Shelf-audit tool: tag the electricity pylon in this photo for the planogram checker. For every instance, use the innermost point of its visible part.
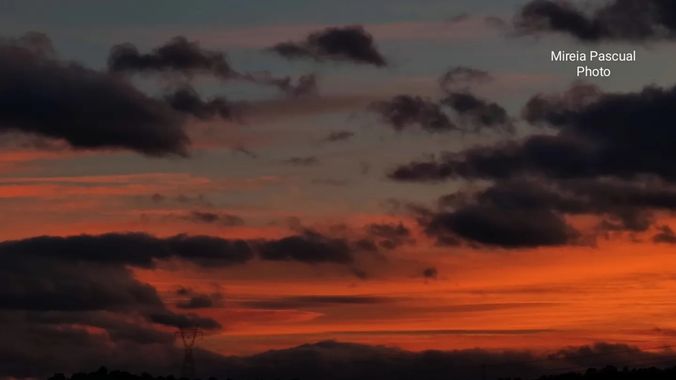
(189, 338)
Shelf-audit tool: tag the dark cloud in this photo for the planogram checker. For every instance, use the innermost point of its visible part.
(177, 56)
(136, 249)
(606, 129)
(526, 208)
(461, 77)
(559, 109)
(191, 299)
(351, 43)
(423, 171)
(210, 251)
(304, 85)
(510, 215)
(366, 245)
(143, 250)
(624, 202)
(474, 113)
(547, 15)
(507, 228)
(389, 236)
(430, 273)
(478, 113)
(390, 231)
(215, 218)
(64, 286)
(665, 235)
(309, 247)
(550, 156)
(83, 275)
(43, 96)
(406, 111)
(632, 20)
(194, 300)
(186, 100)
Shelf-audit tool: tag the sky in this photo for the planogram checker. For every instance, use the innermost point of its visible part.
(334, 177)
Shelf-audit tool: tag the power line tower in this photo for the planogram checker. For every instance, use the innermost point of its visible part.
(189, 338)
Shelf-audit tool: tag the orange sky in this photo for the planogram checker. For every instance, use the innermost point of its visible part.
(618, 291)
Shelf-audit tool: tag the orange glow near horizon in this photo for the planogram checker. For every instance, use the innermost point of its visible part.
(536, 299)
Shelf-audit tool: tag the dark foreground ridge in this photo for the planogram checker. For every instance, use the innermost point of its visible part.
(612, 373)
(607, 373)
(103, 374)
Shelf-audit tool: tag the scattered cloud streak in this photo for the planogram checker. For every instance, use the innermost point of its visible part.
(177, 56)
(629, 20)
(478, 113)
(406, 111)
(351, 43)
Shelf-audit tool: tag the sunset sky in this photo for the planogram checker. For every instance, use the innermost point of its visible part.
(414, 174)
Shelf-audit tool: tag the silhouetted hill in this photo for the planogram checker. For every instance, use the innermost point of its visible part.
(608, 373)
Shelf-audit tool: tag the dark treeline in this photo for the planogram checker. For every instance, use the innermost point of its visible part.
(612, 373)
(104, 374)
(608, 373)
